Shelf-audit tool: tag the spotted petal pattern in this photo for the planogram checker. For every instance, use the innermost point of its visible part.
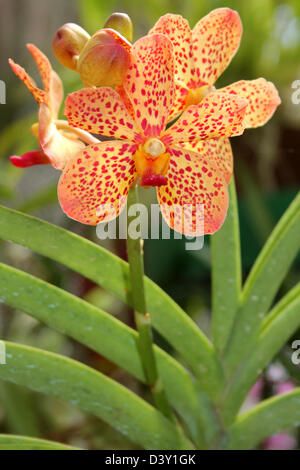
(101, 175)
(179, 102)
(149, 83)
(193, 180)
(262, 96)
(216, 151)
(52, 94)
(216, 38)
(177, 29)
(39, 95)
(100, 111)
(218, 115)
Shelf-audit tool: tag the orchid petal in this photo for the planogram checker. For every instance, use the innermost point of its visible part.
(101, 175)
(39, 95)
(52, 94)
(216, 151)
(218, 115)
(179, 103)
(262, 96)
(149, 83)
(101, 111)
(216, 38)
(193, 180)
(177, 29)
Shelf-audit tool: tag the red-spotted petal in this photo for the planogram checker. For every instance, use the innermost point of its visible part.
(52, 94)
(101, 111)
(216, 151)
(195, 200)
(177, 29)
(39, 95)
(43, 65)
(179, 103)
(149, 83)
(218, 115)
(59, 146)
(51, 82)
(216, 38)
(262, 96)
(94, 186)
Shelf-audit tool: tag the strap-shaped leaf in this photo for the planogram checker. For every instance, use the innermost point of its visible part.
(226, 273)
(263, 282)
(269, 417)
(108, 336)
(277, 328)
(12, 442)
(93, 392)
(109, 271)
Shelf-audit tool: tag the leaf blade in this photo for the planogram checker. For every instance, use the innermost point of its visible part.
(277, 414)
(109, 337)
(112, 273)
(14, 442)
(93, 392)
(263, 282)
(277, 328)
(226, 274)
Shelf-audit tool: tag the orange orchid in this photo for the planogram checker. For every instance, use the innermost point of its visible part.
(145, 150)
(58, 141)
(201, 56)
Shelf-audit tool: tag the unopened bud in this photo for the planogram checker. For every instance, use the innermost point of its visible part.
(121, 23)
(105, 59)
(67, 44)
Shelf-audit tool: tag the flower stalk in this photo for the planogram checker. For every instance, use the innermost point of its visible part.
(142, 317)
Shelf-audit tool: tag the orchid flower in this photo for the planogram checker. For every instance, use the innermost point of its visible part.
(144, 149)
(201, 56)
(57, 140)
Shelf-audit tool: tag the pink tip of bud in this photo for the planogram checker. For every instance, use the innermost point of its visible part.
(29, 159)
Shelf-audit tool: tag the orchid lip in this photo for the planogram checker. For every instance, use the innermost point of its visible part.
(150, 179)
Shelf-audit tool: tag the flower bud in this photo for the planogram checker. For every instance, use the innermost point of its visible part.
(121, 23)
(105, 59)
(67, 44)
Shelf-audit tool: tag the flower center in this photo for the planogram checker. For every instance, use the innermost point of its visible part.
(196, 95)
(152, 163)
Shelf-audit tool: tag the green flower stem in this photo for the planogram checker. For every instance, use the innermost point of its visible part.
(142, 317)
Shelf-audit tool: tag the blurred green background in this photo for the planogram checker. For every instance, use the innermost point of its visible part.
(267, 169)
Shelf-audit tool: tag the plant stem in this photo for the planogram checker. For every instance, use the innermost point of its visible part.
(142, 317)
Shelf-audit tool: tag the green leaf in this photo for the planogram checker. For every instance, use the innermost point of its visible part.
(271, 416)
(262, 284)
(226, 274)
(108, 336)
(94, 393)
(109, 271)
(12, 442)
(277, 328)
